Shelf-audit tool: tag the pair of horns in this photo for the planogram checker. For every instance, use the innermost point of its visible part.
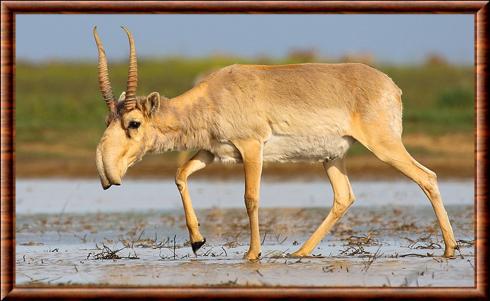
(104, 82)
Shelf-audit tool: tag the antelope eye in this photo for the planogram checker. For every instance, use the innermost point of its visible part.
(134, 124)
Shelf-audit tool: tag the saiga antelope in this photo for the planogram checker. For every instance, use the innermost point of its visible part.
(254, 114)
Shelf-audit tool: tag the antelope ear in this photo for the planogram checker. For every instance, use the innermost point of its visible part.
(122, 97)
(151, 103)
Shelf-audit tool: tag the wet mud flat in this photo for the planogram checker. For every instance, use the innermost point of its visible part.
(370, 246)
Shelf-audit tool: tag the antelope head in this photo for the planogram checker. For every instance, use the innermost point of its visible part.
(129, 131)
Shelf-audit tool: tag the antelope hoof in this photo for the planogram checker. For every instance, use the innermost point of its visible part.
(197, 245)
(449, 253)
(250, 256)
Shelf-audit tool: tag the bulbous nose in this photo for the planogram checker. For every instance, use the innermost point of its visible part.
(107, 185)
(114, 180)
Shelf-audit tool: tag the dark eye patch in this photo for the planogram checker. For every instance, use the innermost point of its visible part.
(134, 124)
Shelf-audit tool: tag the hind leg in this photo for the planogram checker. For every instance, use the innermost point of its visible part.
(393, 152)
(343, 198)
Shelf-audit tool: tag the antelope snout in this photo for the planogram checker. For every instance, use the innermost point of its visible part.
(115, 181)
(107, 185)
(113, 177)
(107, 173)
(107, 181)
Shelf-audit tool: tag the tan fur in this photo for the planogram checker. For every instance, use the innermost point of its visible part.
(253, 113)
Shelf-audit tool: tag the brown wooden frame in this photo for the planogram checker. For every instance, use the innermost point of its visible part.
(10, 8)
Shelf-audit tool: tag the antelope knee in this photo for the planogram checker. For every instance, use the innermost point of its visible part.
(180, 181)
(341, 204)
(251, 202)
(429, 184)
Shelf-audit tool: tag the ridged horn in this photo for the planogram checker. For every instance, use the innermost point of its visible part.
(104, 82)
(130, 102)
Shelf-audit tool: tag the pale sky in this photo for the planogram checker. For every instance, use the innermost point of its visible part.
(390, 38)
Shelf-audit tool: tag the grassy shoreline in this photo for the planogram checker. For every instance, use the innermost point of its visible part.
(59, 117)
(435, 153)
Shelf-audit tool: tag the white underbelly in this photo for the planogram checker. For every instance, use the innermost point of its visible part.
(291, 149)
(305, 148)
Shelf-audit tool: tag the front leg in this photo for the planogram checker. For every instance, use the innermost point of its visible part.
(199, 161)
(251, 151)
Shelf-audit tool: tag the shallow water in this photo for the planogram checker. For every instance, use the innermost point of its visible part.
(68, 232)
(78, 196)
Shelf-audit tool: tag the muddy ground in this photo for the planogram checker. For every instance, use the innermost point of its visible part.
(371, 246)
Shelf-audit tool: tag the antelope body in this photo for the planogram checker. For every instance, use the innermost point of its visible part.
(254, 113)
